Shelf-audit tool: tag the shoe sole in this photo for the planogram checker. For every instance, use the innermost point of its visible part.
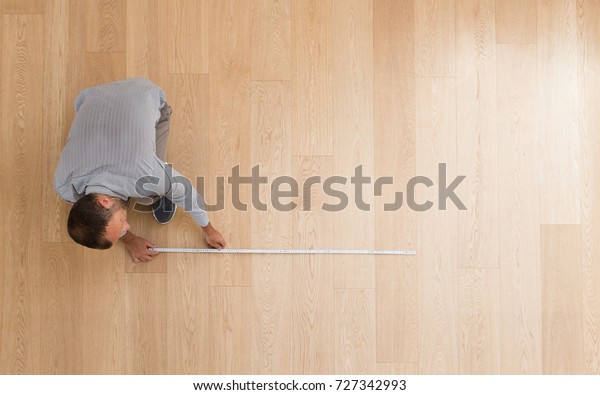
(170, 219)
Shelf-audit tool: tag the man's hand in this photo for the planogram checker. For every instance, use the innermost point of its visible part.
(138, 248)
(213, 237)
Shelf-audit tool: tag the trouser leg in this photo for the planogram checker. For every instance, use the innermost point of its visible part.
(162, 135)
(162, 131)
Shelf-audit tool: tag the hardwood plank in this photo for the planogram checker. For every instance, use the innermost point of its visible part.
(62, 309)
(479, 305)
(105, 25)
(312, 96)
(104, 311)
(187, 31)
(229, 140)
(271, 136)
(397, 309)
(312, 287)
(557, 112)
(520, 327)
(394, 118)
(562, 312)
(352, 40)
(22, 6)
(437, 247)
(354, 331)
(271, 274)
(230, 328)
(146, 314)
(145, 45)
(313, 330)
(103, 67)
(394, 142)
(434, 38)
(397, 368)
(514, 22)
(476, 126)
(64, 35)
(187, 307)
(21, 103)
(188, 274)
(271, 40)
(189, 99)
(272, 315)
(589, 84)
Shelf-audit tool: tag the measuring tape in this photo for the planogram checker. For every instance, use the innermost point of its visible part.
(268, 251)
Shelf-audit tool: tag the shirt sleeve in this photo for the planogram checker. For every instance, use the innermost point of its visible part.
(178, 189)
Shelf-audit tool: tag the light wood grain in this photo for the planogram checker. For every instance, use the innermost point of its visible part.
(187, 274)
(354, 331)
(230, 317)
(105, 25)
(271, 274)
(272, 315)
(188, 33)
(21, 104)
(312, 101)
(313, 330)
(188, 96)
(62, 309)
(229, 137)
(64, 40)
(434, 38)
(519, 223)
(438, 254)
(146, 323)
(397, 309)
(394, 118)
(103, 67)
(476, 122)
(394, 142)
(557, 112)
(271, 40)
(187, 303)
(22, 6)
(352, 39)
(562, 314)
(589, 83)
(145, 47)
(515, 21)
(479, 304)
(397, 368)
(503, 92)
(104, 300)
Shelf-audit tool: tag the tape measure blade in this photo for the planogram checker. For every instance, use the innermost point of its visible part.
(277, 251)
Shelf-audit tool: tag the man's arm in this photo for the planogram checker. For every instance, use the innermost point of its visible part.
(180, 191)
(213, 237)
(138, 247)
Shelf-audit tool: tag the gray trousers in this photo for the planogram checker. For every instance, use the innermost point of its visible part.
(162, 131)
(162, 136)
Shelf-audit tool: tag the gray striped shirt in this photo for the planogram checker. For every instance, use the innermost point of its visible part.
(111, 149)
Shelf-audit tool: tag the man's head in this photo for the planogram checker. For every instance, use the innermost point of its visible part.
(97, 221)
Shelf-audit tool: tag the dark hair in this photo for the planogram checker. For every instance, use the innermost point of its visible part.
(87, 223)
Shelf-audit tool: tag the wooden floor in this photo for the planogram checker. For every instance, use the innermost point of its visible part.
(504, 92)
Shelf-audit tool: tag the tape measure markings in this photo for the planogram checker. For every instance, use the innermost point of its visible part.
(280, 251)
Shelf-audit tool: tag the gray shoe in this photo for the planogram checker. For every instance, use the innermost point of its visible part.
(163, 210)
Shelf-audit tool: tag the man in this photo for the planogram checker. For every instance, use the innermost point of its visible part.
(116, 150)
